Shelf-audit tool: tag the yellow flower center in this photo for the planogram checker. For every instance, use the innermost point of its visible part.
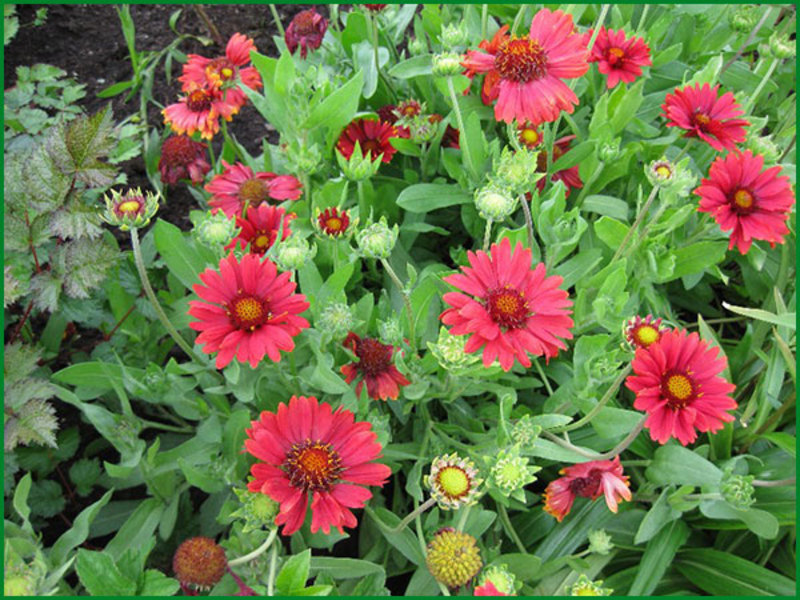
(664, 171)
(679, 386)
(529, 136)
(334, 224)
(249, 309)
(453, 481)
(312, 465)
(262, 241)
(646, 335)
(702, 118)
(129, 206)
(618, 52)
(743, 199)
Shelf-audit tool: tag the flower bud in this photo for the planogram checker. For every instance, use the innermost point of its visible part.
(336, 319)
(417, 47)
(359, 166)
(511, 473)
(377, 240)
(453, 481)
(609, 151)
(215, 229)
(257, 510)
(517, 170)
(305, 159)
(334, 223)
(780, 46)
(764, 146)
(501, 578)
(525, 431)
(447, 64)
(452, 35)
(586, 587)
(131, 209)
(449, 351)
(641, 333)
(495, 203)
(737, 490)
(453, 557)
(744, 18)
(293, 253)
(670, 176)
(600, 542)
(390, 331)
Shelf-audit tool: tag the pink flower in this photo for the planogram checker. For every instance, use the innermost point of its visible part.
(487, 589)
(742, 197)
(698, 110)
(199, 110)
(307, 448)
(374, 366)
(589, 480)
(306, 30)
(260, 228)
(182, 158)
(238, 187)
(676, 381)
(247, 310)
(510, 309)
(525, 74)
(619, 58)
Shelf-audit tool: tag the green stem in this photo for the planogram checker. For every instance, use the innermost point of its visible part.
(277, 20)
(643, 17)
(273, 564)
(543, 376)
(646, 228)
(748, 41)
(406, 301)
(466, 155)
(518, 18)
(362, 204)
(151, 296)
(164, 427)
(788, 148)
(585, 190)
(594, 455)
(413, 515)
(487, 235)
(597, 24)
(597, 407)
(462, 517)
(501, 510)
(751, 101)
(639, 219)
(776, 483)
(528, 220)
(257, 552)
(484, 20)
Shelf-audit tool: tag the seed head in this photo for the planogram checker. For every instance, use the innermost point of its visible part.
(453, 557)
(199, 562)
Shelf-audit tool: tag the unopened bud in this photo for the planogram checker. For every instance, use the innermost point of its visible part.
(600, 542)
(359, 166)
(417, 47)
(293, 253)
(452, 36)
(738, 490)
(131, 209)
(215, 229)
(335, 319)
(495, 203)
(377, 240)
(447, 64)
(781, 46)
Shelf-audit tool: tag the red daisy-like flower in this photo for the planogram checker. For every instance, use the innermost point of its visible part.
(569, 176)
(372, 136)
(260, 228)
(387, 113)
(199, 110)
(223, 72)
(333, 222)
(238, 188)
(525, 74)
(487, 589)
(529, 135)
(510, 309)
(374, 366)
(641, 333)
(589, 480)
(306, 30)
(742, 197)
(247, 310)
(620, 58)
(182, 158)
(408, 109)
(308, 448)
(676, 381)
(698, 110)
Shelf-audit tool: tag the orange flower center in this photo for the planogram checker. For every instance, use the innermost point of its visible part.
(410, 108)
(679, 389)
(376, 358)
(248, 312)
(618, 52)
(312, 465)
(198, 101)
(507, 307)
(702, 119)
(333, 223)
(743, 199)
(254, 191)
(521, 60)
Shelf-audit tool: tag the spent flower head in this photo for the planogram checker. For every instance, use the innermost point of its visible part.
(511, 473)
(199, 562)
(453, 481)
(131, 209)
(495, 203)
(453, 557)
(586, 587)
(377, 240)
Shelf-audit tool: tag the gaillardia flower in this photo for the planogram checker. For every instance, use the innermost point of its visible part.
(182, 158)
(453, 481)
(589, 480)
(496, 580)
(525, 74)
(698, 110)
(620, 58)
(570, 175)
(487, 588)
(676, 381)
(131, 209)
(308, 448)
(510, 309)
(222, 73)
(306, 30)
(199, 110)
(333, 222)
(238, 188)
(453, 557)
(199, 562)
(372, 137)
(754, 203)
(641, 333)
(260, 228)
(586, 587)
(247, 310)
(374, 366)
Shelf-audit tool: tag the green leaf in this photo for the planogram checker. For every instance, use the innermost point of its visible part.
(724, 574)
(525, 567)
(114, 89)
(338, 109)
(294, 574)
(413, 67)
(573, 157)
(659, 515)
(343, 568)
(784, 441)
(100, 576)
(627, 107)
(610, 231)
(760, 522)
(657, 558)
(138, 529)
(158, 584)
(784, 320)
(608, 206)
(613, 422)
(679, 466)
(425, 197)
(405, 541)
(185, 258)
(97, 375)
(696, 258)
(79, 532)
(20, 501)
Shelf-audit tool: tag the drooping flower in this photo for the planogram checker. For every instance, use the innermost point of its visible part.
(698, 110)
(182, 158)
(308, 448)
(374, 366)
(641, 333)
(677, 382)
(372, 137)
(306, 30)
(453, 481)
(589, 480)
(620, 58)
(261, 227)
(570, 175)
(199, 562)
(754, 203)
(510, 309)
(222, 73)
(453, 557)
(333, 223)
(247, 310)
(238, 188)
(199, 110)
(525, 74)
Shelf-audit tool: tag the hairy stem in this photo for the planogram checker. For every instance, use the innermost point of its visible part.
(594, 455)
(406, 301)
(487, 235)
(276, 17)
(636, 223)
(257, 552)
(528, 221)
(501, 510)
(597, 407)
(465, 153)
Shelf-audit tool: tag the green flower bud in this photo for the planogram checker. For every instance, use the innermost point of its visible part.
(609, 151)
(495, 203)
(780, 46)
(447, 64)
(737, 490)
(501, 578)
(764, 146)
(449, 351)
(417, 47)
(525, 431)
(215, 230)
(131, 209)
(359, 166)
(586, 587)
(600, 542)
(390, 331)
(377, 240)
(453, 36)
(511, 473)
(517, 170)
(335, 319)
(670, 176)
(306, 159)
(744, 18)
(293, 253)
(258, 510)
(421, 129)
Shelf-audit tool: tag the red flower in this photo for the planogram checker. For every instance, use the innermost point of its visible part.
(223, 72)
(199, 110)
(409, 109)
(238, 187)
(569, 176)
(374, 366)
(247, 310)
(387, 113)
(487, 589)
(529, 135)
(699, 111)
(375, 7)
(755, 204)
(676, 381)
(332, 222)
(260, 228)
(641, 333)
(306, 30)
(511, 310)
(525, 74)
(372, 136)
(182, 158)
(619, 58)
(589, 480)
(307, 447)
